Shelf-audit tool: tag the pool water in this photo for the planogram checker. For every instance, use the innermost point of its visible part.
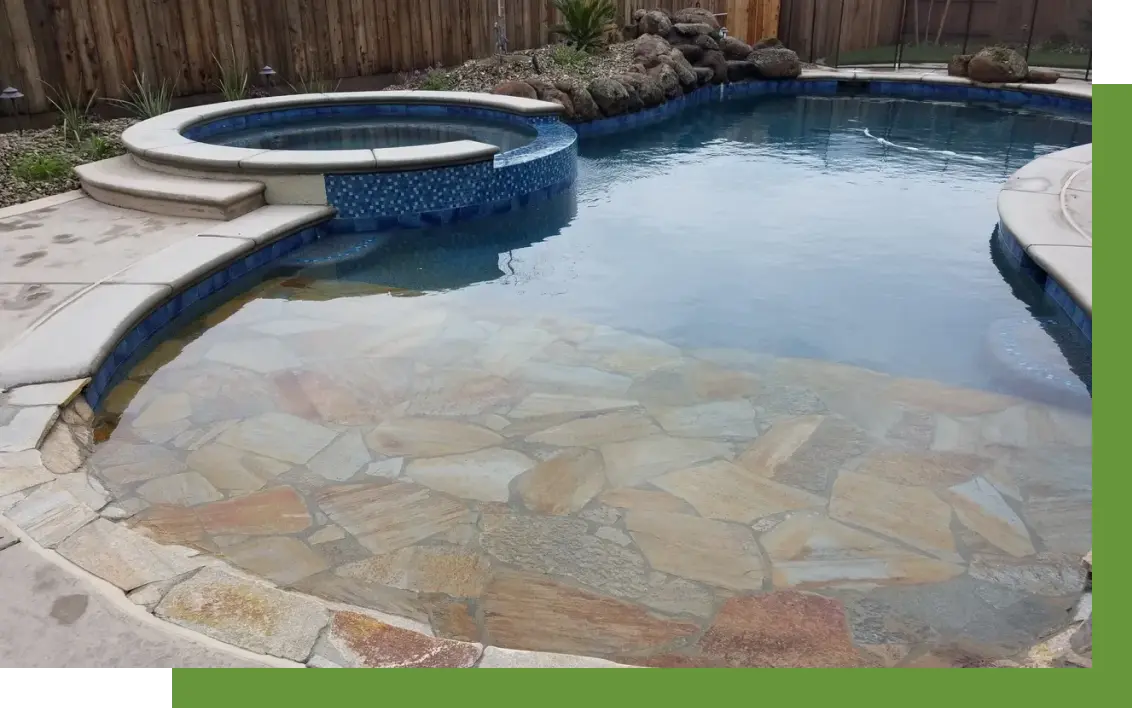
(376, 132)
(761, 349)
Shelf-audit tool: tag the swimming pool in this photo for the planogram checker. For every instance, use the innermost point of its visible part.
(752, 350)
(376, 132)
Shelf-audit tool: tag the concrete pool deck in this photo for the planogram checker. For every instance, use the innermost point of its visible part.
(56, 271)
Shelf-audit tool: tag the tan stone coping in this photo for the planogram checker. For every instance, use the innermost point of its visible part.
(161, 140)
(1047, 207)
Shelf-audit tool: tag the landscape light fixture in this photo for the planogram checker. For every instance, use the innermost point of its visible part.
(9, 96)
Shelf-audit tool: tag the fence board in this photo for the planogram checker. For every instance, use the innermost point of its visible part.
(82, 45)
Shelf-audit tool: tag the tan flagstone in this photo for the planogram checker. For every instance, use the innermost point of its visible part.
(262, 355)
(186, 489)
(573, 379)
(812, 550)
(484, 475)
(511, 347)
(924, 469)
(633, 462)
(49, 514)
(334, 402)
(914, 515)
(67, 447)
(722, 490)
(544, 404)
(563, 484)
(22, 470)
(983, 510)
(1063, 522)
(598, 430)
(940, 398)
(956, 435)
(460, 392)
(644, 500)
(280, 559)
(234, 470)
(326, 534)
(688, 547)
(387, 517)
(246, 613)
(453, 571)
(124, 558)
(423, 437)
(163, 410)
(280, 436)
(342, 459)
(778, 444)
(161, 434)
(718, 419)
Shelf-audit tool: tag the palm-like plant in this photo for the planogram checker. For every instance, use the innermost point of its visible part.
(585, 23)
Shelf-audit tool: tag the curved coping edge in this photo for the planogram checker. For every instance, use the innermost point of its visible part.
(162, 139)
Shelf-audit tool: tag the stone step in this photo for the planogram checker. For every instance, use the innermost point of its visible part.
(122, 182)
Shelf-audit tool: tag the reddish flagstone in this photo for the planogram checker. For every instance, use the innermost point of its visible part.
(370, 643)
(781, 629)
(172, 524)
(529, 611)
(455, 621)
(275, 511)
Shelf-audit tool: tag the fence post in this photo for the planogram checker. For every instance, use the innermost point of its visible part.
(813, 27)
(900, 36)
(967, 30)
(1030, 37)
(840, 25)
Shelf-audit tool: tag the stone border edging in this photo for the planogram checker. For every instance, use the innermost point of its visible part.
(163, 140)
(1039, 232)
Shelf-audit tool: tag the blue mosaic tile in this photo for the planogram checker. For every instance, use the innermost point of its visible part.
(1018, 256)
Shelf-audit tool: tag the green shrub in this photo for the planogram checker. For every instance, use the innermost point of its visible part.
(586, 23)
(438, 80)
(36, 166)
(74, 114)
(313, 84)
(146, 100)
(569, 57)
(232, 82)
(97, 148)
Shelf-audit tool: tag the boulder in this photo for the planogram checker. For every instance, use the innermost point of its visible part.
(704, 74)
(690, 51)
(706, 43)
(715, 61)
(519, 89)
(997, 65)
(654, 22)
(637, 69)
(633, 102)
(685, 74)
(776, 63)
(696, 15)
(649, 48)
(1042, 76)
(585, 109)
(767, 42)
(689, 30)
(666, 78)
(647, 87)
(639, 15)
(741, 70)
(610, 96)
(631, 31)
(957, 66)
(734, 49)
(540, 85)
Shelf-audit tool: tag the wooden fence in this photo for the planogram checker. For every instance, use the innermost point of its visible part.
(80, 47)
(825, 29)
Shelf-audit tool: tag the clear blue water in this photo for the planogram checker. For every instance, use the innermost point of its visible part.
(375, 132)
(848, 229)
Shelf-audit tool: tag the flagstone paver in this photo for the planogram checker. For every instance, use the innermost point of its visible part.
(638, 504)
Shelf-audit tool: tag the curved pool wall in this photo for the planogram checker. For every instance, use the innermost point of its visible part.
(373, 189)
(201, 295)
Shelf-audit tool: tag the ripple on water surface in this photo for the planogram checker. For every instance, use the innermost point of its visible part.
(613, 426)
